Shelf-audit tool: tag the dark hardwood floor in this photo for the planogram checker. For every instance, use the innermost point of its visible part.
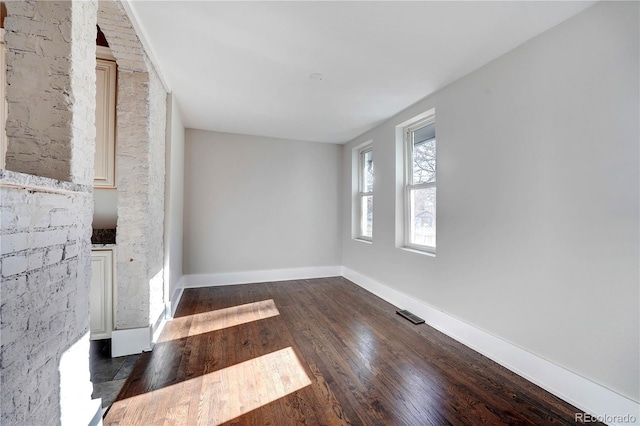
(318, 352)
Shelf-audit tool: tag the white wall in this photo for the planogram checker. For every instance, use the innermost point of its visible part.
(174, 199)
(255, 203)
(538, 193)
(105, 208)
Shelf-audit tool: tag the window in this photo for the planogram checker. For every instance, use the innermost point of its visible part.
(420, 185)
(365, 193)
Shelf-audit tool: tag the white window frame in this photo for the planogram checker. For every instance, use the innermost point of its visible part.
(362, 193)
(409, 185)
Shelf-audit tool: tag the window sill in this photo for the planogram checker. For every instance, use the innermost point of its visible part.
(362, 240)
(422, 252)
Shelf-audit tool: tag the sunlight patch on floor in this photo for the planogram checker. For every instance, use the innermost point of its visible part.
(226, 394)
(220, 319)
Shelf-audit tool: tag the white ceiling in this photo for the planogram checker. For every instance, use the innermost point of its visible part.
(243, 67)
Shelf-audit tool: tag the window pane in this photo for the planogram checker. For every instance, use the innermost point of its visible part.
(424, 133)
(366, 218)
(423, 217)
(424, 154)
(367, 165)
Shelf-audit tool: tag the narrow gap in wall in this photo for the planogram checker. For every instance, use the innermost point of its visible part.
(101, 40)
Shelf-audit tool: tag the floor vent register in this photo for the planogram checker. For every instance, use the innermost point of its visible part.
(411, 317)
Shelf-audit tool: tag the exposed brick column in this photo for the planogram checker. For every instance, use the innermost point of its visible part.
(49, 115)
(155, 194)
(132, 305)
(141, 123)
(45, 259)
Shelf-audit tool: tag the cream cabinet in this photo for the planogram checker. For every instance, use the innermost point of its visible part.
(101, 299)
(105, 156)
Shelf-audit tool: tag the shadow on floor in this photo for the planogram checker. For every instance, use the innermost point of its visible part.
(108, 374)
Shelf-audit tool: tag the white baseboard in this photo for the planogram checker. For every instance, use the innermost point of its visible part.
(270, 275)
(96, 420)
(175, 298)
(584, 394)
(131, 341)
(138, 340)
(157, 328)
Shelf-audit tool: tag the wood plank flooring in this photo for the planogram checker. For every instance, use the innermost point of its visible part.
(318, 352)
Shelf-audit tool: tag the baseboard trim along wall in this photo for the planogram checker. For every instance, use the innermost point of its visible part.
(586, 395)
(265, 276)
(137, 340)
(96, 420)
(131, 341)
(175, 299)
(576, 390)
(157, 329)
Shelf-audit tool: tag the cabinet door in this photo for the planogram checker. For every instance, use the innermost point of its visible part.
(105, 156)
(101, 321)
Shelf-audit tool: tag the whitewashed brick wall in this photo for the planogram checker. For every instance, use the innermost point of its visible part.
(83, 83)
(44, 130)
(45, 258)
(45, 249)
(140, 156)
(132, 163)
(155, 194)
(121, 35)
(44, 309)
